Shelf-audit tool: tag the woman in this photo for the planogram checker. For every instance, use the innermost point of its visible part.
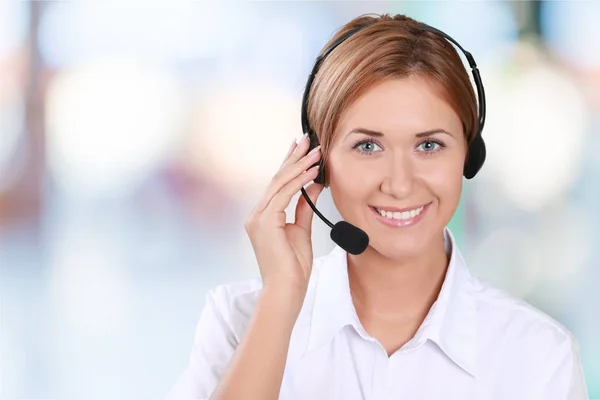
(396, 116)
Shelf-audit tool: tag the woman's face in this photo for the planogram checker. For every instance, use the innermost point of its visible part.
(399, 151)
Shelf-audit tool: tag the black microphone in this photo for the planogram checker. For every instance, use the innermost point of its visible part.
(350, 238)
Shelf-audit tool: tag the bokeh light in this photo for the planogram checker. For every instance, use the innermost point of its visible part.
(13, 31)
(577, 43)
(536, 131)
(13, 26)
(500, 256)
(243, 132)
(73, 33)
(564, 241)
(12, 117)
(492, 20)
(109, 123)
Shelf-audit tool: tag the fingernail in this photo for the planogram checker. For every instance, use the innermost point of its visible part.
(302, 138)
(315, 149)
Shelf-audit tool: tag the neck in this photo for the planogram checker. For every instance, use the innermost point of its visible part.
(397, 290)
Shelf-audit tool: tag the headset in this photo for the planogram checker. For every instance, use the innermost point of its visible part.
(349, 237)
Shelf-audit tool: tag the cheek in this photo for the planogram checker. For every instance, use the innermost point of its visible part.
(445, 181)
(349, 180)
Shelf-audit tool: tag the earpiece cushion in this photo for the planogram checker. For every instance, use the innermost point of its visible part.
(475, 157)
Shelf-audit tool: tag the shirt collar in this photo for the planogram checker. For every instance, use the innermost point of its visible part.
(451, 323)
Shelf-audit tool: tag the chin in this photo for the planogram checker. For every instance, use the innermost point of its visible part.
(400, 248)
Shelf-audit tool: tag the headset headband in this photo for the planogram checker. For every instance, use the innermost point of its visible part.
(475, 71)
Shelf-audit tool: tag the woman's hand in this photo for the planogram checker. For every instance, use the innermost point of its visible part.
(284, 255)
(283, 250)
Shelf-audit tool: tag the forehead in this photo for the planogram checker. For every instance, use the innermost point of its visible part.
(402, 106)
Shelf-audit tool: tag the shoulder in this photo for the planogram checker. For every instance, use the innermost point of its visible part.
(504, 318)
(519, 340)
(513, 312)
(518, 325)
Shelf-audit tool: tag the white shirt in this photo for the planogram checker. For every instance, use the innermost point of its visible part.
(477, 342)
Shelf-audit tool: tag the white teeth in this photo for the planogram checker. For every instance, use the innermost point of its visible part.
(401, 215)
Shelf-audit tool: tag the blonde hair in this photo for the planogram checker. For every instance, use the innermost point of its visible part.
(389, 47)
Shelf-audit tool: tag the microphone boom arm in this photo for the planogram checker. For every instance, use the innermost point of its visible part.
(310, 203)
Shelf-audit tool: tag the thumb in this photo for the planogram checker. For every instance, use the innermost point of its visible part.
(304, 214)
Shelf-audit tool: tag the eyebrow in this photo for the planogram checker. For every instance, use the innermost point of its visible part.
(370, 132)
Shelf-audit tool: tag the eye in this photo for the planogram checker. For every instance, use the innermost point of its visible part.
(367, 146)
(430, 146)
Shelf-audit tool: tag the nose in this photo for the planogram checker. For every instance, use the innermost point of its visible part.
(399, 179)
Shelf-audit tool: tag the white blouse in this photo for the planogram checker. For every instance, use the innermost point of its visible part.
(477, 342)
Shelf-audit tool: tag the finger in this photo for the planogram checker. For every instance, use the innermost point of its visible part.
(289, 173)
(298, 152)
(282, 198)
(266, 198)
(290, 151)
(304, 214)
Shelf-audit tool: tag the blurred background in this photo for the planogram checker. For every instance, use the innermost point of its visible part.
(134, 140)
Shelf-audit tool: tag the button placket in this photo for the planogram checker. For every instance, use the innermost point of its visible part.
(381, 374)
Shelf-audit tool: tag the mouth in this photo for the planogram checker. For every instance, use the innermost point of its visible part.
(400, 217)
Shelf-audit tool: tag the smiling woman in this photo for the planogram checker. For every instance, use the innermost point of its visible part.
(399, 126)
